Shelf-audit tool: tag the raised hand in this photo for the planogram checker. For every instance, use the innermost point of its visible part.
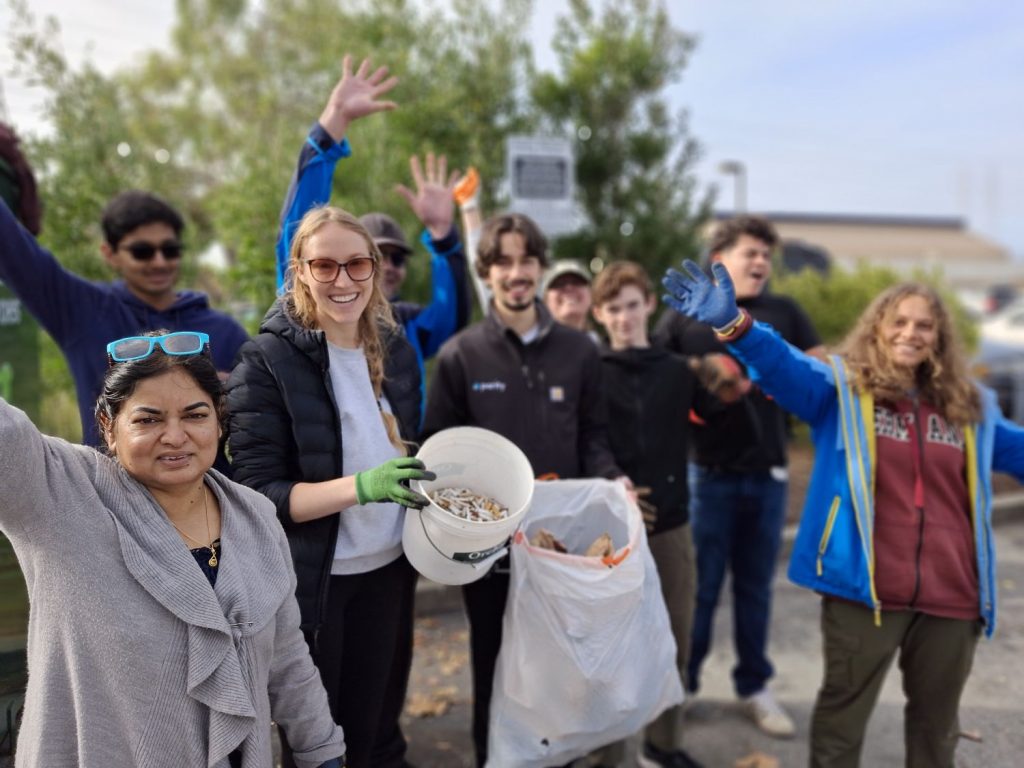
(691, 293)
(356, 95)
(432, 202)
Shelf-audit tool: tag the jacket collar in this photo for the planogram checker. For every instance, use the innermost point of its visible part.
(545, 322)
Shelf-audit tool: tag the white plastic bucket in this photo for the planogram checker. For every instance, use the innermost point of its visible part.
(448, 549)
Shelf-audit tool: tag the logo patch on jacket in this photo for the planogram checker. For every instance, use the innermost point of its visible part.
(557, 394)
(488, 386)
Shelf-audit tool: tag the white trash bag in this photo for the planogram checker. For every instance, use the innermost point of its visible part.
(587, 655)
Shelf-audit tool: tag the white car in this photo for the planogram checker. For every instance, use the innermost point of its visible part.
(1005, 327)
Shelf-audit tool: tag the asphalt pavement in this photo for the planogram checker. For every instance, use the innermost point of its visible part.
(437, 715)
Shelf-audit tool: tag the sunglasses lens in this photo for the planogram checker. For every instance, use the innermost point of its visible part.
(141, 251)
(360, 268)
(182, 344)
(324, 270)
(131, 349)
(172, 250)
(397, 259)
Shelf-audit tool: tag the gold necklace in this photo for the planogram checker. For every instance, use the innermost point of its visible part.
(206, 512)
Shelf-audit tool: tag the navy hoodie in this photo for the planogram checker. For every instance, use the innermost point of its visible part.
(83, 317)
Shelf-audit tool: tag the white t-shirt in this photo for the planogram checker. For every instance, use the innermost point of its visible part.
(369, 535)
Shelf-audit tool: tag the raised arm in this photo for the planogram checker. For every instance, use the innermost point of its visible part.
(467, 195)
(354, 96)
(432, 202)
(29, 463)
(801, 384)
(57, 298)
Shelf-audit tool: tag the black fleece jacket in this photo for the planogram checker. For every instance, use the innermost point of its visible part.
(284, 429)
(546, 396)
(650, 394)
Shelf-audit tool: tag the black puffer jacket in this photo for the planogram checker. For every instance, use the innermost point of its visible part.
(284, 429)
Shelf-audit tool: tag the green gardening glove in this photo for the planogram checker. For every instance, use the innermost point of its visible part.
(390, 482)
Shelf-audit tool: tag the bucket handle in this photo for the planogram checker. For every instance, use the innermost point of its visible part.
(485, 563)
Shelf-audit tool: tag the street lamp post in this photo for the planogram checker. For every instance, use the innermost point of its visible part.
(738, 171)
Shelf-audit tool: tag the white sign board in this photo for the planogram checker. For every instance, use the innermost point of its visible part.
(542, 182)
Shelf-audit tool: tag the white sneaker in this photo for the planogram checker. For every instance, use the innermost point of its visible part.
(769, 715)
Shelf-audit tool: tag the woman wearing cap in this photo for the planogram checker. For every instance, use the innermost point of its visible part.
(896, 530)
(321, 404)
(140, 651)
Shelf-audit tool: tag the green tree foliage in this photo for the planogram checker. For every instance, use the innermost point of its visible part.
(834, 302)
(633, 158)
(231, 99)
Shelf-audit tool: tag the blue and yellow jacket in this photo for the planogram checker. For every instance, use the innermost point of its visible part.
(834, 552)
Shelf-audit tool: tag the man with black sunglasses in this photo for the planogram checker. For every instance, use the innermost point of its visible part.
(142, 244)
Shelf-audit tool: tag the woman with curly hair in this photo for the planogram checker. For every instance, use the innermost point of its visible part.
(321, 404)
(896, 530)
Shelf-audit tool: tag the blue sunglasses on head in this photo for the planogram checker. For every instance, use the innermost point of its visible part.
(141, 347)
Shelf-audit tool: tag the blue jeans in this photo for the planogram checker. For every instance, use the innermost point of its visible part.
(737, 522)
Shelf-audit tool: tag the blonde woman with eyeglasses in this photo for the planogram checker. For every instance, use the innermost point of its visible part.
(164, 628)
(322, 404)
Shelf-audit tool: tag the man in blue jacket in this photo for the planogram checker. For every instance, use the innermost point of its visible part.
(142, 244)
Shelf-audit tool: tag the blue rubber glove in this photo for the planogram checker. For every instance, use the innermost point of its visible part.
(390, 482)
(691, 293)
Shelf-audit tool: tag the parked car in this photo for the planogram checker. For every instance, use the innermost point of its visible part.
(1005, 327)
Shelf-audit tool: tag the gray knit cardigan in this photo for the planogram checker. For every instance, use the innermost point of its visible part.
(134, 660)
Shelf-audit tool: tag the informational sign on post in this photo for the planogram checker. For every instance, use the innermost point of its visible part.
(542, 182)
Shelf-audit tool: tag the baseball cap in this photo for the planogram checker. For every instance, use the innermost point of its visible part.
(385, 231)
(564, 267)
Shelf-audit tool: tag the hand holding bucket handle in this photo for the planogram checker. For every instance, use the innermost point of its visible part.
(389, 482)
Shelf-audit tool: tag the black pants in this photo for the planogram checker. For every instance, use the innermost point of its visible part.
(355, 653)
(389, 749)
(485, 606)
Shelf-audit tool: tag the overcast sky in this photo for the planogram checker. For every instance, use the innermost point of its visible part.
(908, 107)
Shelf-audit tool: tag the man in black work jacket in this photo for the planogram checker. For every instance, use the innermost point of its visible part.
(538, 383)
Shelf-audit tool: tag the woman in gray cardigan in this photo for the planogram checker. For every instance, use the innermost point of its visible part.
(140, 651)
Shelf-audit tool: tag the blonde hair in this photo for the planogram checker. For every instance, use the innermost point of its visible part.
(376, 321)
(942, 379)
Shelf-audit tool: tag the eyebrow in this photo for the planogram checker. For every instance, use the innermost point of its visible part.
(158, 411)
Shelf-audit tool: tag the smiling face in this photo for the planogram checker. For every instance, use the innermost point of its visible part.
(151, 280)
(166, 433)
(909, 333)
(568, 299)
(514, 276)
(339, 304)
(749, 262)
(625, 317)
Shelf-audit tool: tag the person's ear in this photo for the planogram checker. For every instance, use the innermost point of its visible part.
(107, 432)
(652, 303)
(109, 254)
(597, 313)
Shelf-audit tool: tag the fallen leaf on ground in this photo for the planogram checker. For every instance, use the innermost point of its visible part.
(433, 704)
(757, 760)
